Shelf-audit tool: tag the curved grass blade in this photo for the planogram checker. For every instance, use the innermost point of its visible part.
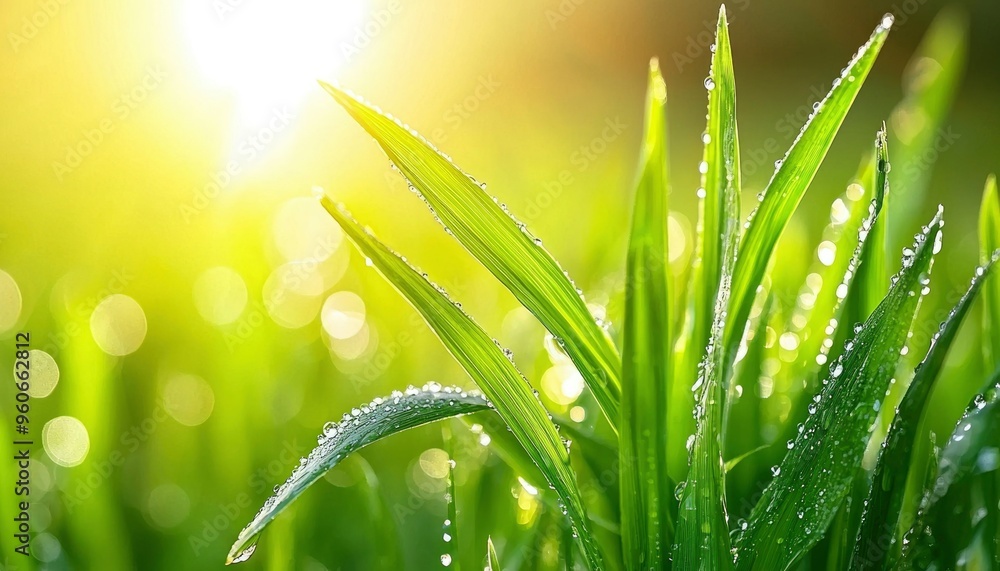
(703, 540)
(873, 548)
(791, 179)
(489, 366)
(378, 419)
(501, 244)
(645, 489)
(720, 179)
(931, 82)
(989, 242)
(961, 502)
(816, 474)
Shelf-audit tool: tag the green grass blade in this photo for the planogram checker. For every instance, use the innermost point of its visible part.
(501, 244)
(645, 488)
(791, 179)
(885, 499)
(489, 366)
(721, 178)
(492, 561)
(816, 474)
(989, 242)
(703, 530)
(931, 83)
(873, 279)
(369, 423)
(965, 483)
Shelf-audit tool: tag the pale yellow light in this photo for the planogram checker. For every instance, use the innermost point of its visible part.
(65, 440)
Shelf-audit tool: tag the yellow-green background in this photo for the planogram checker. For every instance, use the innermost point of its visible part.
(558, 80)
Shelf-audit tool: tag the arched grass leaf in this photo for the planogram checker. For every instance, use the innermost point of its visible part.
(369, 423)
(791, 178)
(503, 245)
(489, 365)
(816, 474)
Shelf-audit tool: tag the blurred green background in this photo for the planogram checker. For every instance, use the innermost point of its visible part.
(159, 242)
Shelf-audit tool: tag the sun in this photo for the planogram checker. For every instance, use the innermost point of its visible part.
(269, 53)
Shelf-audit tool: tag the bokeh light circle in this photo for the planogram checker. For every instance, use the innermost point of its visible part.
(44, 374)
(118, 325)
(188, 399)
(66, 441)
(10, 302)
(343, 315)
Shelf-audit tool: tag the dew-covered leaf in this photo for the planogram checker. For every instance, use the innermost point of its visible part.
(703, 540)
(791, 178)
(371, 422)
(720, 177)
(489, 365)
(956, 525)
(502, 244)
(816, 474)
(645, 487)
(874, 549)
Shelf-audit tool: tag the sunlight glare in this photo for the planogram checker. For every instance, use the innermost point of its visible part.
(269, 54)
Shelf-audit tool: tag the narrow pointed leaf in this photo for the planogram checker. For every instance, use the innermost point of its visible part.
(374, 421)
(488, 365)
(790, 181)
(885, 499)
(492, 561)
(501, 244)
(645, 487)
(703, 541)
(989, 242)
(816, 474)
(720, 179)
(873, 280)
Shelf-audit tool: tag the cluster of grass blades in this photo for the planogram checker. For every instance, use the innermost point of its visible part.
(818, 505)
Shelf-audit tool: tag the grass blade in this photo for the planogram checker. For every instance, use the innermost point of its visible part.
(374, 421)
(646, 491)
(489, 366)
(885, 499)
(965, 484)
(989, 242)
(703, 529)
(791, 179)
(492, 561)
(873, 279)
(816, 474)
(720, 179)
(501, 244)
